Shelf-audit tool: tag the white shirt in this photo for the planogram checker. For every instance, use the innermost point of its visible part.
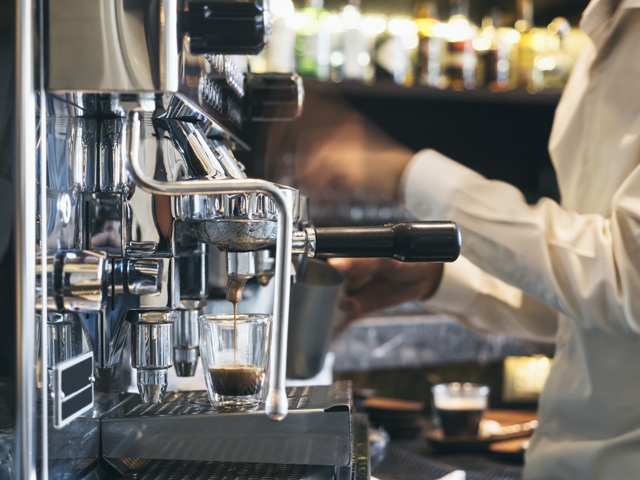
(570, 272)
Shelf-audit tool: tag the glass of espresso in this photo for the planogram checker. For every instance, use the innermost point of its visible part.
(235, 355)
(458, 408)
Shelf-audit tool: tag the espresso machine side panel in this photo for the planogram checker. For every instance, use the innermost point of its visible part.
(112, 46)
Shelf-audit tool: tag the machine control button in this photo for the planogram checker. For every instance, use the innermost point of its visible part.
(228, 27)
(275, 97)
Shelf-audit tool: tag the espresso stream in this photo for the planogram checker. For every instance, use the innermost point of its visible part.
(234, 295)
(235, 331)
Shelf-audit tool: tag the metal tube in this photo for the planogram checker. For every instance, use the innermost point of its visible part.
(44, 343)
(25, 242)
(276, 403)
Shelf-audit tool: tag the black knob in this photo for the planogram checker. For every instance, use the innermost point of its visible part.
(228, 27)
(406, 241)
(275, 97)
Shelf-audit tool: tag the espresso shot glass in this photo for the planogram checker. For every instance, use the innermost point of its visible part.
(458, 408)
(235, 357)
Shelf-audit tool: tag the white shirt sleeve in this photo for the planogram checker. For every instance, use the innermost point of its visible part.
(482, 302)
(585, 266)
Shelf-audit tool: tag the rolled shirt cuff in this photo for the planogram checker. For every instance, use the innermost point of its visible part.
(429, 183)
(459, 287)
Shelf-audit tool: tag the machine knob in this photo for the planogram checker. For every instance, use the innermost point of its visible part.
(275, 97)
(76, 281)
(229, 27)
(144, 276)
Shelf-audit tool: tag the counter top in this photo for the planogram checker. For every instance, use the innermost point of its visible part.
(412, 459)
(404, 340)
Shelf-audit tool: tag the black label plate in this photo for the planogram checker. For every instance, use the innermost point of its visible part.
(73, 389)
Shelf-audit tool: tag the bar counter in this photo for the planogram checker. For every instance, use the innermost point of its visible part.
(411, 337)
(413, 459)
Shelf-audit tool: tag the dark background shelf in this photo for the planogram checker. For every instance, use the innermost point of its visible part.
(502, 135)
(389, 90)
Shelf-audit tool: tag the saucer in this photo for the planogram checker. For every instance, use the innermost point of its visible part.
(440, 443)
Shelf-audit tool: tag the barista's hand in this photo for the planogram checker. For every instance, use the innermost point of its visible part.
(376, 283)
(338, 148)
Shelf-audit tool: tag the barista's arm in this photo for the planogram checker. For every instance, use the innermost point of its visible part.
(586, 266)
(482, 302)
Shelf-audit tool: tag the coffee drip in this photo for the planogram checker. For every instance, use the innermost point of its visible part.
(235, 379)
(235, 331)
(234, 295)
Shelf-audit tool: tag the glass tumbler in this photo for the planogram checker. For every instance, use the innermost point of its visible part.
(235, 357)
(459, 407)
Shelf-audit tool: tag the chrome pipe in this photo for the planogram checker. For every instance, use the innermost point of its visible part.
(276, 402)
(25, 242)
(44, 344)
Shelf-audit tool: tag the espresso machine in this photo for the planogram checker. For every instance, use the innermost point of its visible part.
(126, 177)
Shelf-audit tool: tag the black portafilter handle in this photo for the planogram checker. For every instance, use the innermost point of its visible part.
(407, 241)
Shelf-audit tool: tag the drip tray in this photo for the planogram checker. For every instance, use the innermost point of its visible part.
(186, 470)
(316, 432)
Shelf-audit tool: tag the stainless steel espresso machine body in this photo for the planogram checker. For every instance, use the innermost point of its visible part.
(140, 107)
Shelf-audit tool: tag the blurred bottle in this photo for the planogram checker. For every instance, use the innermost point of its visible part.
(373, 26)
(460, 61)
(429, 55)
(336, 57)
(493, 48)
(526, 53)
(356, 55)
(399, 50)
(280, 53)
(551, 67)
(511, 38)
(312, 46)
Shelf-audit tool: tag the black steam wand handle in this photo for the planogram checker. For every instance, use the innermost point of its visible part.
(407, 241)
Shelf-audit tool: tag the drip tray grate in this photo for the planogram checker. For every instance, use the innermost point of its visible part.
(183, 470)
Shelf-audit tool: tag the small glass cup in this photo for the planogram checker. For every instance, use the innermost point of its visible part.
(458, 408)
(235, 357)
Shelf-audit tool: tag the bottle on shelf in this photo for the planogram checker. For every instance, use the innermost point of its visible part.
(551, 67)
(395, 54)
(355, 51)
(279, 55)
(313, 42)
(373, 26)
(493, 49)
(336, 42)
(460, 60)
(428, 69)
(523, 68)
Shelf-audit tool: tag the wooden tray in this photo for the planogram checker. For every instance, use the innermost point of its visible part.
(443, 444)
